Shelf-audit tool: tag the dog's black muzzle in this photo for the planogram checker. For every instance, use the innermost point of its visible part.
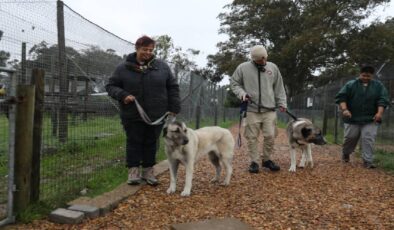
(185, 141)
(319, 140)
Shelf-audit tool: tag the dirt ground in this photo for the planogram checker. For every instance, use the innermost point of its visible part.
(332, 195)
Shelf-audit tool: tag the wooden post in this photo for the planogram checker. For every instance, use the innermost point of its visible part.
(23, 145)
(63, 83)
(37, 79)
(223, 103)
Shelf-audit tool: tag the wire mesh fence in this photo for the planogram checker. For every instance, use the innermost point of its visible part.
(82, 138)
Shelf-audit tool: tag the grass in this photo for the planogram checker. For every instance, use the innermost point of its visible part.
(385, 160)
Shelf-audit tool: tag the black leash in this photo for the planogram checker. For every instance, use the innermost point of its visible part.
(291, 115)
(273, 109)
(242, 115)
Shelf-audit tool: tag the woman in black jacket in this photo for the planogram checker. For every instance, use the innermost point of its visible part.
(149, 81)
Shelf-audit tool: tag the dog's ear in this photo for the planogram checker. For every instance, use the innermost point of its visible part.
(306, 132)
(165, 131)
(184, 126)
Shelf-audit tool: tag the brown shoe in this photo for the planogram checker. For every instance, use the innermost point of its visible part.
(149, 176)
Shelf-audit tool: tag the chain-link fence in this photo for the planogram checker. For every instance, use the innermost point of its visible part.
(82, 138)
(319, 106)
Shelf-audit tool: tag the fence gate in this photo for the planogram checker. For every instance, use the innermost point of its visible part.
(7, 136)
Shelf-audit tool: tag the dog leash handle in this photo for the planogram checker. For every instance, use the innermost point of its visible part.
(146, 118)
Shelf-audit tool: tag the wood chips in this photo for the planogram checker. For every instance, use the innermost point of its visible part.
(332, 195)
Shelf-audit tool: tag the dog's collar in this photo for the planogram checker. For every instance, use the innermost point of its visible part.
(300, 143)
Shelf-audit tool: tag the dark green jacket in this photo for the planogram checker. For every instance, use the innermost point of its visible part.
(362, 103)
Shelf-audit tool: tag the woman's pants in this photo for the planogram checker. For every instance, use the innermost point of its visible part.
(141, 143)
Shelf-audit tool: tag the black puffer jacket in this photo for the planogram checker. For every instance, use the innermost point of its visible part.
(153, 85)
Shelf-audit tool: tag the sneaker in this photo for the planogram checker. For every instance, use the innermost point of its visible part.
(254, 167)
(271, 165)
(345, 157)
(369, 165)
(134, 176)
(149, 176)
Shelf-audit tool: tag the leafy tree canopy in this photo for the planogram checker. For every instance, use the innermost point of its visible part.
(166, 50)
(4, 56)
(304, 38)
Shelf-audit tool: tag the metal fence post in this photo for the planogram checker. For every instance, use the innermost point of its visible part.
(223, 103)
(336, 126)
(63, 84)
(198, 110)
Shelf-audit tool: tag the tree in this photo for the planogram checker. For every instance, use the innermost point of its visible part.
(46, 56)
(303, 37)
(98, 62)
(210, 72)
(374, 44)
(4, 56)
(166, 50)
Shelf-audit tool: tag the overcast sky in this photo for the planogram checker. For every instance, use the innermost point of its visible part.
(190, 23)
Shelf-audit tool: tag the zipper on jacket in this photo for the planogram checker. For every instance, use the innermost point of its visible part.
(259, 105)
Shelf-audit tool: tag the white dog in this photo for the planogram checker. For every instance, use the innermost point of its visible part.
(301, 134)
(184, 145)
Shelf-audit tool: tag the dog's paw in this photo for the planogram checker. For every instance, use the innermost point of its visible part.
(224, 183)
(307, 164)
(214, 180)
(292, 168)
(170, 190)
(185, 193)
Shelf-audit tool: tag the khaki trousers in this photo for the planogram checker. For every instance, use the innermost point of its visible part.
(366, 134)
(256, 122)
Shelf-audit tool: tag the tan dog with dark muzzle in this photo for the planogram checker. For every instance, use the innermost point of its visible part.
(302, 133)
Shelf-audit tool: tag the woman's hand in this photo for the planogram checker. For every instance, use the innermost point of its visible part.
(346, 113)
(128, 99)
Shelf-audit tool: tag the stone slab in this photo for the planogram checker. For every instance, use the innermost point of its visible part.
(160, 167)
(65, 216)
(88, 210)
(216, 224)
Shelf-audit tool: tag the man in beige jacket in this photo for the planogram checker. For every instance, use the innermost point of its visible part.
(260, 82)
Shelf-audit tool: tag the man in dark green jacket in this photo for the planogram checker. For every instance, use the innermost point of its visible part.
(362, 102)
